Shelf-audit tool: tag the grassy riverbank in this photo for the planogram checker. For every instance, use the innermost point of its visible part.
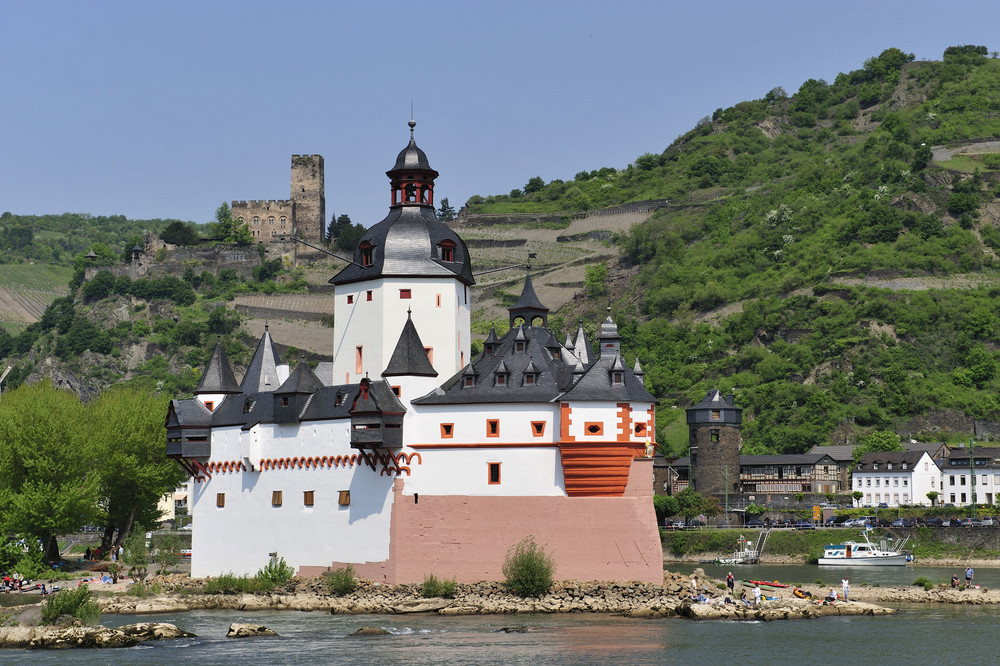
(925, 543)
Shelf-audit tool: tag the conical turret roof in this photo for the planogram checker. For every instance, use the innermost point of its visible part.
(218, 377)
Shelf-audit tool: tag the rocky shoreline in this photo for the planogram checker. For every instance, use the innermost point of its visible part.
(638, 600)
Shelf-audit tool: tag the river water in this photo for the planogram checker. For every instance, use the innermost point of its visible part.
(919, 634)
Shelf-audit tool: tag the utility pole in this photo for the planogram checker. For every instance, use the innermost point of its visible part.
(972, 472)
(725, 475)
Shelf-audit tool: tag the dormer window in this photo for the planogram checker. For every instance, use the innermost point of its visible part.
(501, 379)
(874, 465)
(447, 250)
(366, 253)
(529, 379)
(470, 381)
(888, 465)
(519, 346)
(617, 377)
(488, 348)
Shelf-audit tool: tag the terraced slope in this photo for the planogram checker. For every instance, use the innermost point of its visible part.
(26, 290)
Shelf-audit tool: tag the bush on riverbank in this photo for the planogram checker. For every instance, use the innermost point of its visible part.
(341, 581)
(76, 602)
(433, 587)
(230, 583)
(528, 569)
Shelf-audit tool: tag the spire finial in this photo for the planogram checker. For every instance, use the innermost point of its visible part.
(412, 123)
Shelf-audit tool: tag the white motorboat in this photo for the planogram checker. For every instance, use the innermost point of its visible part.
(866, 553)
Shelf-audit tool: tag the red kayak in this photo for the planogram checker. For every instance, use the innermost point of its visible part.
(767, 583)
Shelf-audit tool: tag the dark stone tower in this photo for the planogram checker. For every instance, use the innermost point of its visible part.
(309, 197)
(714, 427)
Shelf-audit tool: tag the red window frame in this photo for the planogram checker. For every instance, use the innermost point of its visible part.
(492, 427)
(493, 473)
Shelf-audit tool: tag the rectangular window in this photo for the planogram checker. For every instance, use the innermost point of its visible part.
(368, 295)
(868, 498)
(951, 480)
(209, 405)
(716, 414)
(593, 428)
(350, 299)
(447, 430)
(276, 498)
(358, 357)
(906, 482)
(895, 481)
(963, 498)
(494, 468)
(405, 293)
(437, 300)
(309, 497)
(492, 427)
(963, 479)
(952, 500)
(344, 498)
(868, 482)
(220, 500)
(876, 483)
(395, 391)
(538, 428)
(906, 498)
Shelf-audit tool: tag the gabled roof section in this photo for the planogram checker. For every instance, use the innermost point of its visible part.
(409, 357)
(302, 381)
(596, 383)
(378, 398)
(218, 377)
(262, 373)
(883, 458)
(581, 346)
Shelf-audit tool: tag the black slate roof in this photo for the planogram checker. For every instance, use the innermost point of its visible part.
(301, 380)
(409, 357)
(218, 377)
(405, 244)
(869, 460)
(262, 373)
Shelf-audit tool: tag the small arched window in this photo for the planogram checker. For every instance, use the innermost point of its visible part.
(447, 250)
(366, 253)
(270, 221)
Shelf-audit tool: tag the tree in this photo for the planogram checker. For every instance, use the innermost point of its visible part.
(179, 233)
(228, 230)
(665, 506)
(692, 504)
(534, 185)
(596, 280)
(857, 495)
(128, 439)
(932, 496)
(446, 213)
(877, 441)
(48, 472)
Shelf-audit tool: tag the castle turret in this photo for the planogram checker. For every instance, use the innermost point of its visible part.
(408, 262)
(715, 442)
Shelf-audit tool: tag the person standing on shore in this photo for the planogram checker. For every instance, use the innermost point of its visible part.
(694, 585)
(756, 594)
(846, 584)
(969, 575)
(731, 582)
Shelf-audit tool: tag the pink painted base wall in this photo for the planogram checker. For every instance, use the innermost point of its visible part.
(590, 538)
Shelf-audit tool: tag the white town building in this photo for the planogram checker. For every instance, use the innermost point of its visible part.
(404, 456)
(896, 478)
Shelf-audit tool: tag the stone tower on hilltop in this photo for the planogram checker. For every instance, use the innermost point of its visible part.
(715, 442)
(303, 214)
(309, 197)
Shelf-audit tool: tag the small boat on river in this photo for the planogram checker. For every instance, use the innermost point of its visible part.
(746, 552)
(866, 553)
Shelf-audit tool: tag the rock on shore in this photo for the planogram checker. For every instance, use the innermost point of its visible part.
(77, 636)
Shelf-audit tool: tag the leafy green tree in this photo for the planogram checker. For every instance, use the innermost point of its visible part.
(932, 496)
(446, 213)
(857, 495)
(49, 474)
(228, 230)
(877, 441)
(665, 506)
(129, 443)
(533, 185)
(596, 280)
(180, 233)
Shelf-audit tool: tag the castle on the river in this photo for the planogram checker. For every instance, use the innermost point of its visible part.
(405, 456)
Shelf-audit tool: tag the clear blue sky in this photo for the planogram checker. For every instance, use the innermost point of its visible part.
(167, 109)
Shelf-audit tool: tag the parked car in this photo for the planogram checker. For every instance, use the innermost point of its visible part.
(860, 521)
(803, 525)
(970, 522)
(934, 522)
(674, 525)
(989, 521)
(755, 522)
(901, 522)
(883, 505)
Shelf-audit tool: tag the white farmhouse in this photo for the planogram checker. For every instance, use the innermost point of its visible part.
(404, 456)
(957, 476)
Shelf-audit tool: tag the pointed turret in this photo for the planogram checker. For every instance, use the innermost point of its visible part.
(637, 369)
(609, 341)
(262, 373)
(218, 377)
(528, 308)
(409, 357)
(581, 346)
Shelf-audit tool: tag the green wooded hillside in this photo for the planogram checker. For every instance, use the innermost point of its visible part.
(775, 268)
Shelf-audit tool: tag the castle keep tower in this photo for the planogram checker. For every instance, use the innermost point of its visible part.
(308, 197)
(272, 220)
(715, 441)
